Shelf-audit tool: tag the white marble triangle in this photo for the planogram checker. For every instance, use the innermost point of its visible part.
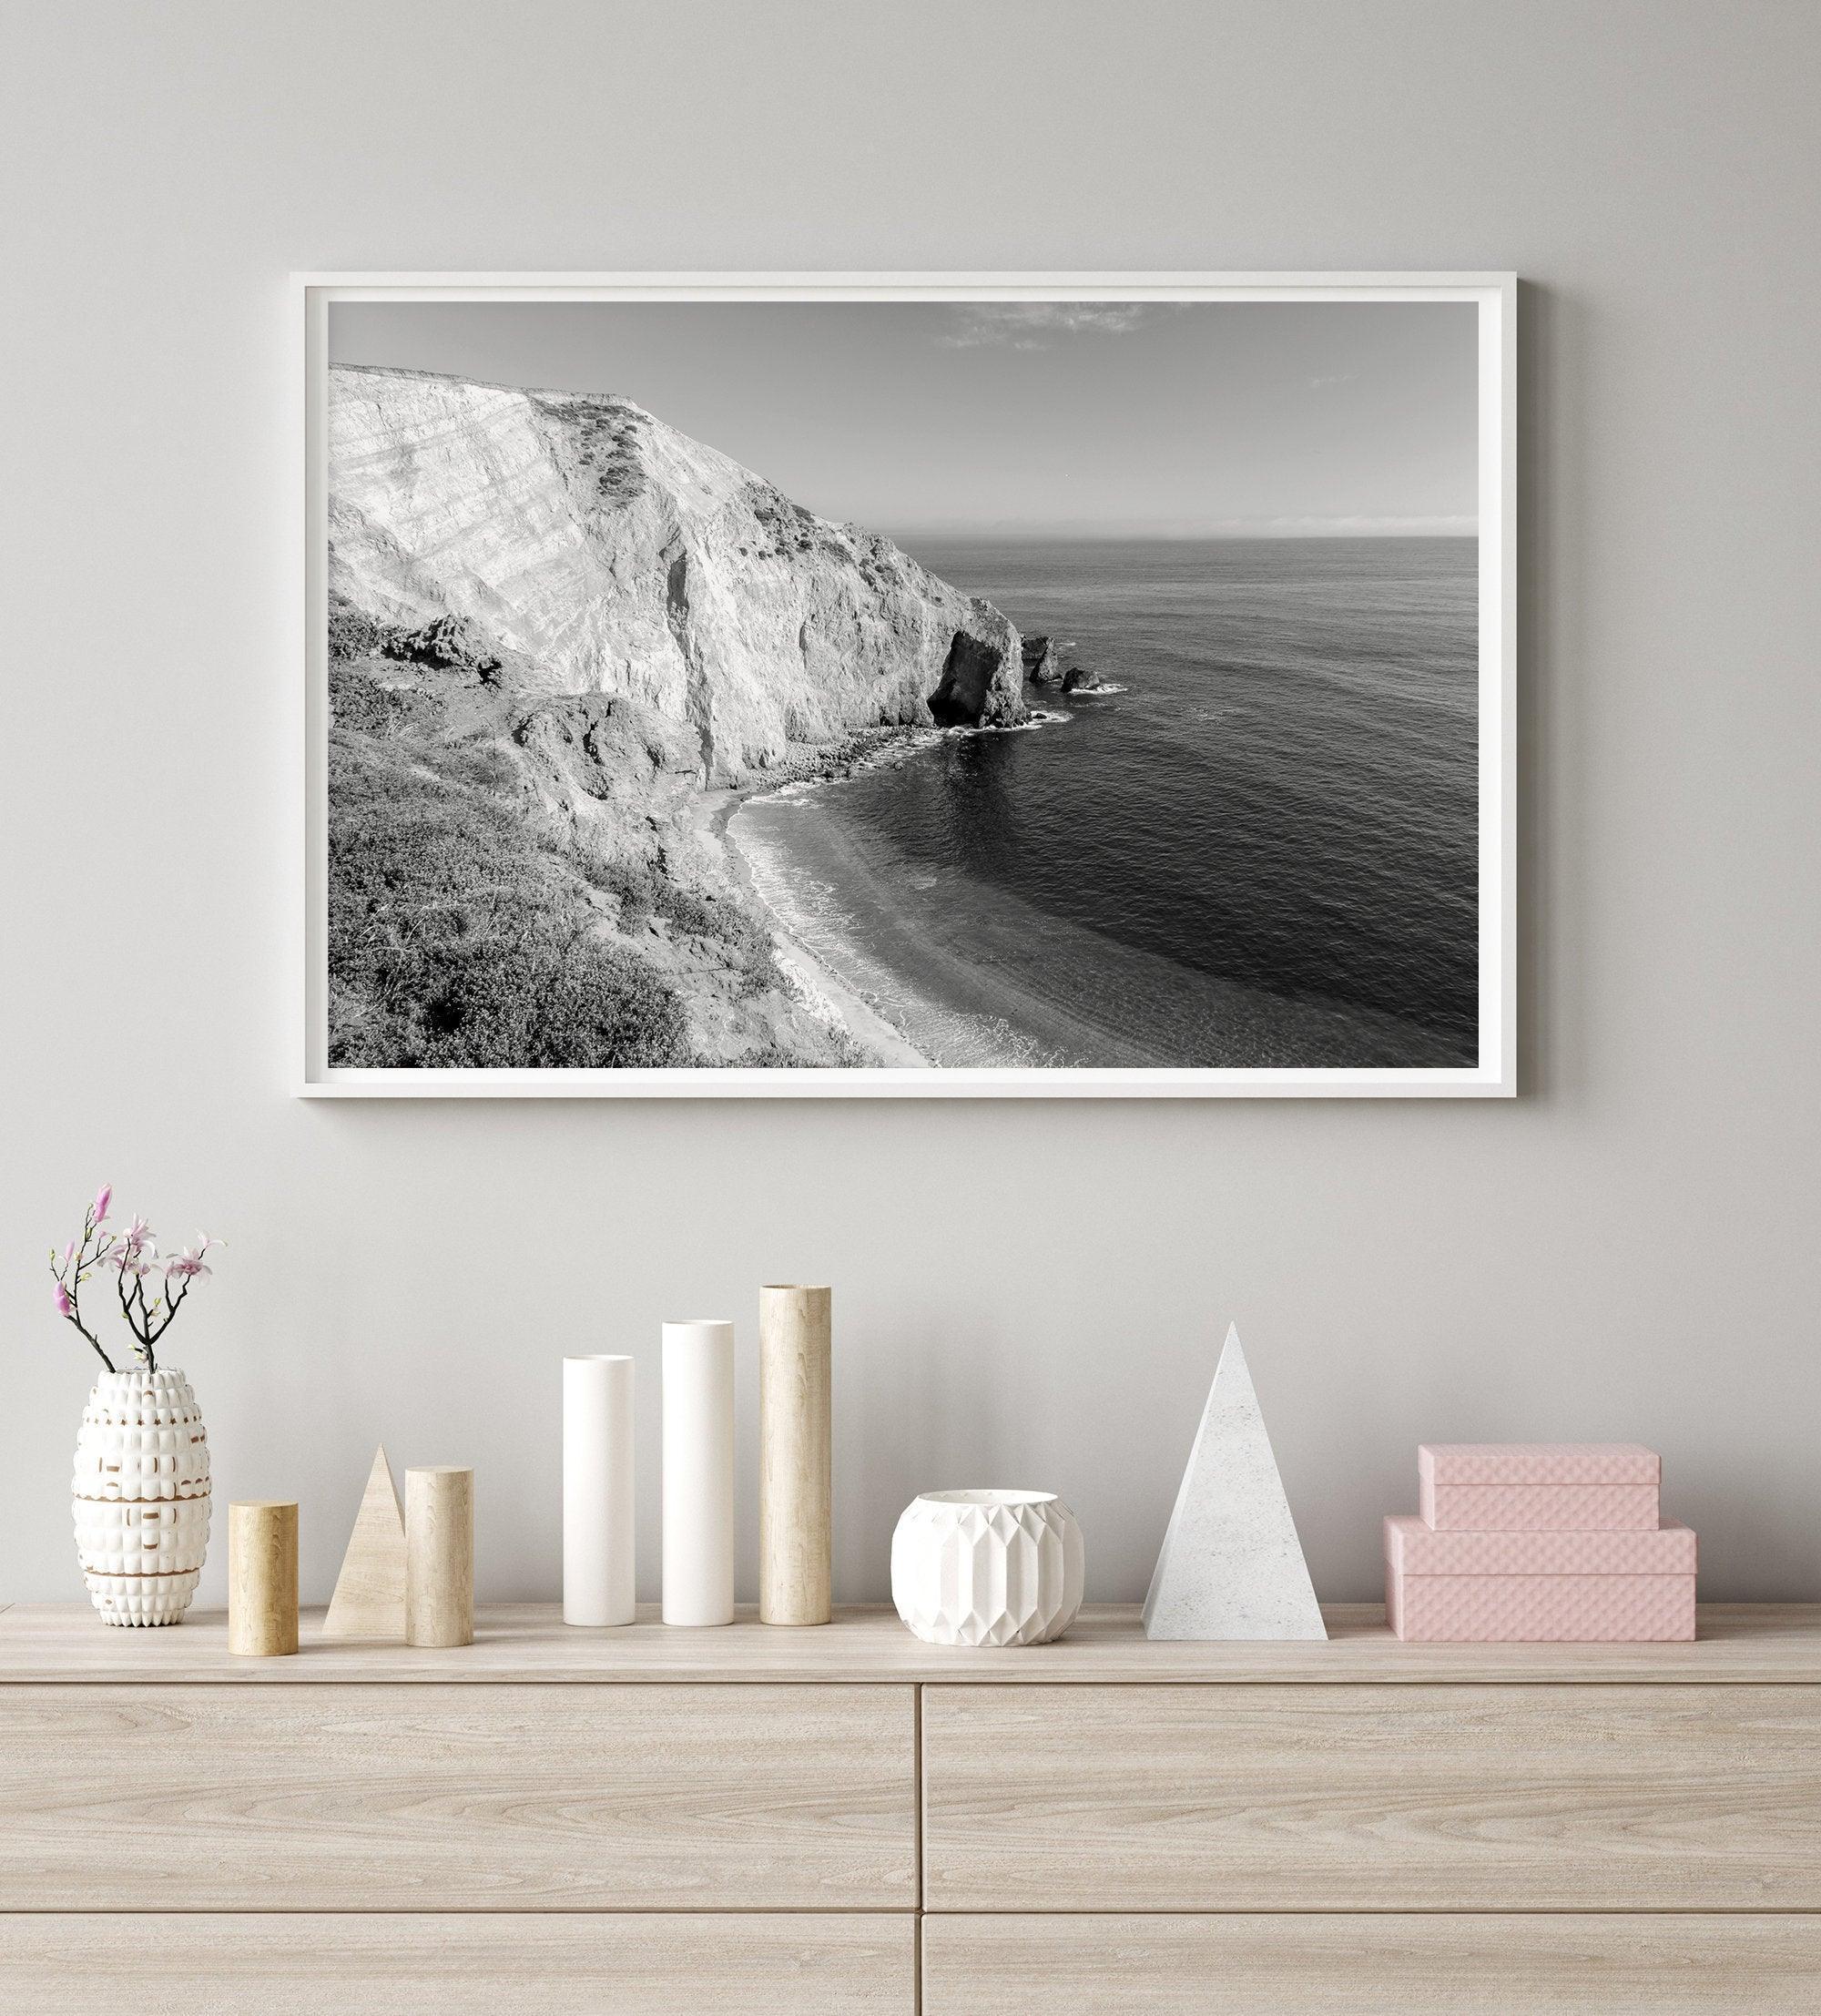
(1231, 1565)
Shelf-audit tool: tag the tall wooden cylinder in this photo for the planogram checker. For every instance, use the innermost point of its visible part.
(262, 1578)
(438, 1556)
(698, 1473)
(796, 1483)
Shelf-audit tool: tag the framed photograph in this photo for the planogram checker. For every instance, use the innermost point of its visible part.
(1008, 685)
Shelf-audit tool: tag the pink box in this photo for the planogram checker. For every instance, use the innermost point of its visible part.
(1411, 1548)
(1540, 1609)
(1538, 1508)
(1539, 1463)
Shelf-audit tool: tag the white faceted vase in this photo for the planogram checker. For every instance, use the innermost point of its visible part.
(988, 1567)
(141, 1496)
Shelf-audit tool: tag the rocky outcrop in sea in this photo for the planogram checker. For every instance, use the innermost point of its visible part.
(1041, 667)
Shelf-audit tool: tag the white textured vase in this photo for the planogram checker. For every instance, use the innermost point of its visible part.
(141, 1496)
(988, 1567)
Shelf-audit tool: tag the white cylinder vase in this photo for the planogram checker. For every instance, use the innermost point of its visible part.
(988, 1567)
(141, 1496)
(598, 1490)
(698, 1473)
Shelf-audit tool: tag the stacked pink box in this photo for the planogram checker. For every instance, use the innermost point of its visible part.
(1533, 1542)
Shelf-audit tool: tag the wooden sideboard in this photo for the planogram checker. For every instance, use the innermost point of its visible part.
(843, 1821)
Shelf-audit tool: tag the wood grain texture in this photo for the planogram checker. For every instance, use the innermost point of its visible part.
(438, 1556)
(262, 1578)
(444, 1799)
(796, 1483)
(1371, 1799)
(529, 1642)
(500, 1964)
(1288, 1966)
(368, 1601)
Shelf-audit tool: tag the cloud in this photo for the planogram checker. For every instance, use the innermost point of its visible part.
(1035, 325)
(1339, 378)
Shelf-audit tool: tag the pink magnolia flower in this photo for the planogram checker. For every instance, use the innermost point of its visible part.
(134, 1253)
(64, 1307)
(69, 1257)
(188, 1264)
(104, 1196)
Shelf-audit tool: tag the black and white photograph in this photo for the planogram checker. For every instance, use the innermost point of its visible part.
(915, 915)
(996, 693)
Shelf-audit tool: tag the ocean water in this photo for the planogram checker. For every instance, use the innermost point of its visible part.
(1259, 851)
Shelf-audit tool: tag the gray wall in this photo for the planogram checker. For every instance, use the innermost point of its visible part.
(1026, 1293)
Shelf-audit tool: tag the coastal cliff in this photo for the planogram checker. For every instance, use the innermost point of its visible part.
(613, 555)
(562, 636)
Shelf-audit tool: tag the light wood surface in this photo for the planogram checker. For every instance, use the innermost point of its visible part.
(499, 1964)
(439, 1798)
(529, 1642)
(438, 1556)
(1368, 1798)
(368, 1596)
(796, 1487)
(1353, 1818)
(1453, 1966)
(262, 1578)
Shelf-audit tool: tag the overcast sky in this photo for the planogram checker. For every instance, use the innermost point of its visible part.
(1087, 418)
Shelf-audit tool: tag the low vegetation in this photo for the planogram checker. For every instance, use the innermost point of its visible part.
(474, 922)
(605, 434)
(457, 938)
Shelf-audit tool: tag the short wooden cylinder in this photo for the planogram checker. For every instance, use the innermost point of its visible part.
(438, 1556)
(262, 1578)
(796, 1482)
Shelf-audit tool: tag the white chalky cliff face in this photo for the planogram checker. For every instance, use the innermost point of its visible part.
(610, 554)
(141, 1496)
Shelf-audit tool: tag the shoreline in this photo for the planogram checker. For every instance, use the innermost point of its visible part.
(825, 995)
(972, 1017)
(1005, 1026)
(898, 987)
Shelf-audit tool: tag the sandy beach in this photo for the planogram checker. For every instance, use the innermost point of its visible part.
(896, 988)
(815, 985)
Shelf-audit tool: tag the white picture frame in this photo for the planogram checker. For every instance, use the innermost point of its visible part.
(1493, 1075)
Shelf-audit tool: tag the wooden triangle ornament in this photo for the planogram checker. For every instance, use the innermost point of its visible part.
(1231, 1564)
(369, 1599)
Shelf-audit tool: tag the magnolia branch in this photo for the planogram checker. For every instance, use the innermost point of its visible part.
(134, 1255)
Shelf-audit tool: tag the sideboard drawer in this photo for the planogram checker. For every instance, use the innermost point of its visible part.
(1335, 1797)
(800, 1963)
(1587, 1965)
(429, 1798)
